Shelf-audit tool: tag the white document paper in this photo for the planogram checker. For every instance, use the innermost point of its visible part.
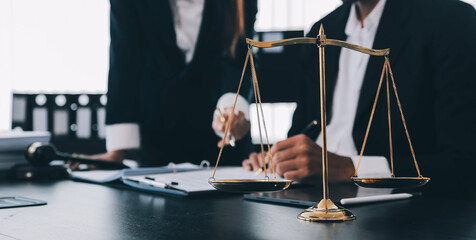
(197, 181)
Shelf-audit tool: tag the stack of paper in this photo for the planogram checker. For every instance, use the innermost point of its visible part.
(13, 145)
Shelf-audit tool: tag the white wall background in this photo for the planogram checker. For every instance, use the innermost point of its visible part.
(62, 45)
(291, 14)
(5, 63)
(52, 46)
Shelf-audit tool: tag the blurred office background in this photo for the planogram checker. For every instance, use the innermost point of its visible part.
(59, 49)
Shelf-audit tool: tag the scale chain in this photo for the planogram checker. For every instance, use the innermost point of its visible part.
(233, 110)
(370, 121)
(257, 91)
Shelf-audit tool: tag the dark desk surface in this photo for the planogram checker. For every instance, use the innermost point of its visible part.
(87, 211)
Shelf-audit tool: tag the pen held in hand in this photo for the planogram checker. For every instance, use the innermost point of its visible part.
(260, 170)
(310, 129)
(223, 120)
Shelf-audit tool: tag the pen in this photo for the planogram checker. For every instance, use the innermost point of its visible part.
(308, 130)
(378, 198)
(150, 182)
(153, 183)
(223, 120)
(260, 170)
(153, 179)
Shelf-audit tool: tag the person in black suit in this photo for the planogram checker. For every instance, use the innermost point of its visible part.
(170, 62)
(432, 55)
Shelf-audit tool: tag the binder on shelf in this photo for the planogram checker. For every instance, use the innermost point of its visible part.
(76, 121)
(74, 116)
(83, 117)
(20, 113)
(61, 117)
(99, 116)
(40, 113)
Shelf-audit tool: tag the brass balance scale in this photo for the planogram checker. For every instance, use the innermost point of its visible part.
(325, 210)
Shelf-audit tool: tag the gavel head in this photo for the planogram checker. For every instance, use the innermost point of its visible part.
(40, 154)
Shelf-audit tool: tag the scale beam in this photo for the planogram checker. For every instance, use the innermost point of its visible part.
(317, 41)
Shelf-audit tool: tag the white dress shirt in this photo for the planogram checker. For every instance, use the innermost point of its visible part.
(347, 91)
(187, 20)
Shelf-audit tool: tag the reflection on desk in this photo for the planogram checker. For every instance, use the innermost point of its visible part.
(86, 211)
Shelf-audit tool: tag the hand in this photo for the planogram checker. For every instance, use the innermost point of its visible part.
(113, 156)
(255, 161)
(298, 158)
(239, 126)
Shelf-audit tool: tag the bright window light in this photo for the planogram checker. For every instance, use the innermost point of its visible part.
(278, 119)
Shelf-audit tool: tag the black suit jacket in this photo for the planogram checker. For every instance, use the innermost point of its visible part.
(432, 49)
(150, 84)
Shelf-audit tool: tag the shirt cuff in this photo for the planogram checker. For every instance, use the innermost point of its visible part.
(122, 136)
(227, 100)
(372, 166)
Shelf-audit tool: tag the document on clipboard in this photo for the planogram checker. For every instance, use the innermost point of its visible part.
(181, 180)
(109, 176)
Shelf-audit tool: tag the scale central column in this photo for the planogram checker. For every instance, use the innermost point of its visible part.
(322, 77)
(325, 210)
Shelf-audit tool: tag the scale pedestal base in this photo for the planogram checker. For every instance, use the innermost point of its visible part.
(318, 213)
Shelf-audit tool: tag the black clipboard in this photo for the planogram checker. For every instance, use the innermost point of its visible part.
(306, 196)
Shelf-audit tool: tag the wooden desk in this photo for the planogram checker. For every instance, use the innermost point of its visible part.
(87, 211)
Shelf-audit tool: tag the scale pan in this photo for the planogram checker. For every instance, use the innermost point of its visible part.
(391, 182)
(250, 185)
